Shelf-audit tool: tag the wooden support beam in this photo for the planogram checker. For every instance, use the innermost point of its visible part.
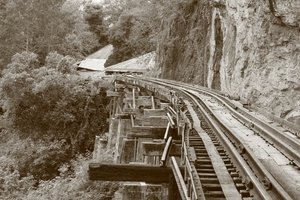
(148, 121)
(155, 133)
(118, 86)
(129, 172)
(154, 112)
(172, 188)
(114, 106)
(153, 148)
(110, 93)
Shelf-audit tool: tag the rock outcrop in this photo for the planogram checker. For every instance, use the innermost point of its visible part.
(249, 48)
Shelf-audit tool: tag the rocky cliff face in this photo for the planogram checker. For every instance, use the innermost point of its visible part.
(249, 48)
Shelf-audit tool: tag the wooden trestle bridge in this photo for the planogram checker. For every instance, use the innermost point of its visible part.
(204, 145)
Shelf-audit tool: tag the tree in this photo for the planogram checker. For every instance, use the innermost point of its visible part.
(135, 32)
(32, 25)
(54, 103)
(12, 186)
(82, 40)
(45, 26)
(113, 9)
(94, 16)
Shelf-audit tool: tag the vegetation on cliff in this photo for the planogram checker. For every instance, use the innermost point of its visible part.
(50, 115)
(45, 26)
(133, 32)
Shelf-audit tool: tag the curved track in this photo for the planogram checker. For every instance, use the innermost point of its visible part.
(226, 165)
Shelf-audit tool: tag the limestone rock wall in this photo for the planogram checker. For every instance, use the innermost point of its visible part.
(249, 48)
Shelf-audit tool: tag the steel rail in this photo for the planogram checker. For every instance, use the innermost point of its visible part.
(263, 172)
(239, 161)
(259, 167)
(256, 165)
(287, 145)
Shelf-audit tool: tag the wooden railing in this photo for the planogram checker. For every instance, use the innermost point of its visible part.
(166, 152)
(179, 179)
(189, 183)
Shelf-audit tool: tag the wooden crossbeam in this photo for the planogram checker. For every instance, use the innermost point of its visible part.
(129, 172)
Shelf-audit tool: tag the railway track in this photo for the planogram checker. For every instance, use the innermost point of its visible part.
(226, 165)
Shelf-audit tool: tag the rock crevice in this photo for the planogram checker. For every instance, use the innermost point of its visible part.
(248, 48)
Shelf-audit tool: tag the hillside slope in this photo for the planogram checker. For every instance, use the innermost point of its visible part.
(249, 48)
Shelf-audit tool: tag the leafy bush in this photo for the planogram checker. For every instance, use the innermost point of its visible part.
(75, 185)
(54, 112)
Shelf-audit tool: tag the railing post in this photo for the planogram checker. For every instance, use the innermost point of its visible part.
(133, 98)
(189, 186)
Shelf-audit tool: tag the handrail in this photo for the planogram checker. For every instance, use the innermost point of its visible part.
(167, 132)
(172, 123)
(166, 152)
(189, 170)
(179, 179)
(172, 111)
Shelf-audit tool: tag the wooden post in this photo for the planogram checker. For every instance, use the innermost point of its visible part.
(171, 188)
(114, 106)
(134, 150)
(153, 103)
(133, 98)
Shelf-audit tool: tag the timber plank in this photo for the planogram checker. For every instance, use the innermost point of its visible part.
(129, 172)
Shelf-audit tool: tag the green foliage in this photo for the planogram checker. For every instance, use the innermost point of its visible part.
(113, 9)
(40, 159)
(54, 102)
(74, 185)
(36, 26)
(11, 185)
(66, 65)
(22, 62)
(81, 41)
(71, 181)
(183, 40)
(51, 116)
(94, 16)
(134, 33)
(45, 26)
(53, 59)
